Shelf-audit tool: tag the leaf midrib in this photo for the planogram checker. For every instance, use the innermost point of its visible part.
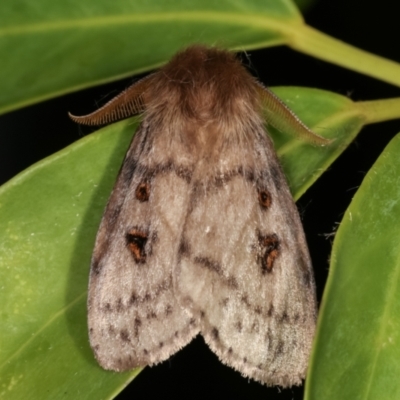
(276, 23)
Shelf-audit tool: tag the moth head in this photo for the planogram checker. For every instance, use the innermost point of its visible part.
(199, 83)
(205, 87)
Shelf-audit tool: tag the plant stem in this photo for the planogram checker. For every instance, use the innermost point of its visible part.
(317, 44)
(379, 110)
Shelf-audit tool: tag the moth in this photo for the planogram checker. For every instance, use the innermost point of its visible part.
(201, 234)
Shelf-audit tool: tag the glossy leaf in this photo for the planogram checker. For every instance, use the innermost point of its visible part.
(58, 47)
(50, 47)
(49, 215)
(357, 350)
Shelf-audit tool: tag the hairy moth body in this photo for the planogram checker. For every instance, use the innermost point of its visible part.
(201, 234)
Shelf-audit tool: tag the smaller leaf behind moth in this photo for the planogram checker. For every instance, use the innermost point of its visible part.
(201, 234)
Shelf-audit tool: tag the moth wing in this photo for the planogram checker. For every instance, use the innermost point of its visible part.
(244, 269)
(133, 316)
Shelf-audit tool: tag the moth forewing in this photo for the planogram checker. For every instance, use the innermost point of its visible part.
(257, 297)
(201, 234)
(134, 318)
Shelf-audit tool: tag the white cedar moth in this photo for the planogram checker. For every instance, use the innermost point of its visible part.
(201, 234)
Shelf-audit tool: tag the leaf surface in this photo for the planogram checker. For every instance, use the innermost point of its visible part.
(357, 349)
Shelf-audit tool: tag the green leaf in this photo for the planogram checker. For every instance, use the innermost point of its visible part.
(49, 215)
(59, 47)
(357, 349)
(50, 47)
(305, 4)
(328, 114)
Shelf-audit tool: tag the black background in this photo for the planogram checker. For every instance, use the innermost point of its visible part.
(29, 134)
